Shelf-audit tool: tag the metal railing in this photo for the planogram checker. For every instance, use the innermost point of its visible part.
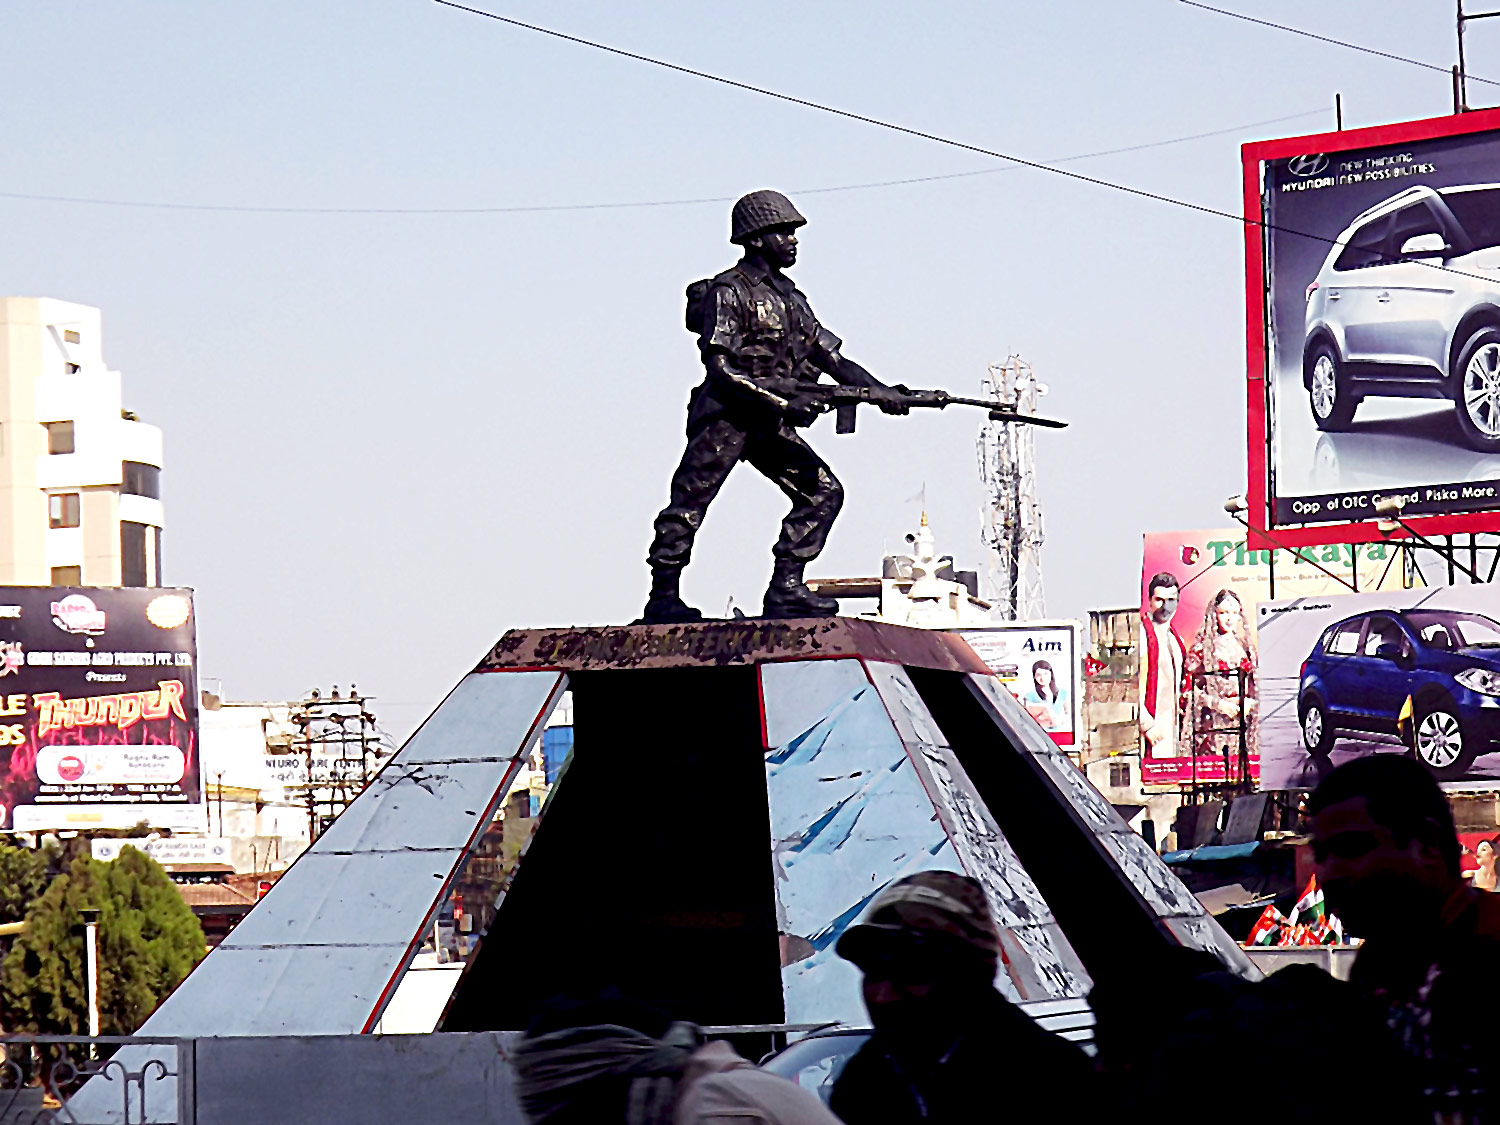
(41, 1077)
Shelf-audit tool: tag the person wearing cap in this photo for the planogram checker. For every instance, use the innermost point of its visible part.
(754, 325)
(947, 1045)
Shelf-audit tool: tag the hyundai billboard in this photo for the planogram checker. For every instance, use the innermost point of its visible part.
(98, 709)
(1373, 272)
(1414, 672)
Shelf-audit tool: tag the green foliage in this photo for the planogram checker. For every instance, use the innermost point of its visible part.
(148, 941)
(23, 876)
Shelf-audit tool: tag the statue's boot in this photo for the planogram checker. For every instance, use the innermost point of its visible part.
(665, 605)
(788, 595)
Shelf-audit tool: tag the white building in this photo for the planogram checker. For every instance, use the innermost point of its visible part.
(246, 748)
(80, 476)
(920, 589)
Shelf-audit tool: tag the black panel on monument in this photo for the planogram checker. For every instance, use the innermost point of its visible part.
(648, 872)
(1106, 922)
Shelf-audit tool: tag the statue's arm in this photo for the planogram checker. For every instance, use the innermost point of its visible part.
(827, 357)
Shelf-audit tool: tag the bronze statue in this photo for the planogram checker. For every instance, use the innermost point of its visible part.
(764, 353)
(756, 331)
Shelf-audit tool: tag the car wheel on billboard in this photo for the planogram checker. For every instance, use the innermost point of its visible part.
(1440, 743)
(1477, 391)
(1333, 404)
(1317, 731)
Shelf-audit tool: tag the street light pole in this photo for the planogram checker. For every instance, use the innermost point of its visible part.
(91, 967)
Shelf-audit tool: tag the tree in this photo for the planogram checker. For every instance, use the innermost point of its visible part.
(23, 876)
(148, 941)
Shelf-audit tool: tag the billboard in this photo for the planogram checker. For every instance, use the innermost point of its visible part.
(1374, 327)
(167, 849)
(1199, 667)
(1038, 662)
(98, 709)
(1402, 671)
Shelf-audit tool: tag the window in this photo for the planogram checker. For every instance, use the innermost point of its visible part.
(1119, 775)
(63, 510)
(1445, 629)
(140, 479)
(1345, 640)
(133, 553)
(1478, 212)
(1365, 245)
(59, 437)
(1383, 631)
(70, 335)
(67, 576)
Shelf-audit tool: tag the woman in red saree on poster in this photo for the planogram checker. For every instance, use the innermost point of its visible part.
(1221, 669)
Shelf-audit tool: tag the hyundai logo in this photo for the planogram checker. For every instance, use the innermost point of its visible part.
(1309, 165)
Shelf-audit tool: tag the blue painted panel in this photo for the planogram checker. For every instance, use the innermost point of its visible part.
(848, 815)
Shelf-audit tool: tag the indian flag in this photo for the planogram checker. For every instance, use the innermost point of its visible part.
(1266, 926)
(1310, 905)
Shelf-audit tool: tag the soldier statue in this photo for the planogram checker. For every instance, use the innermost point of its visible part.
(757, 332)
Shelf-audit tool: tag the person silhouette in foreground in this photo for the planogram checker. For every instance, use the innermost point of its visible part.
(1387, 858)
(607, 1060)
(947, 1046)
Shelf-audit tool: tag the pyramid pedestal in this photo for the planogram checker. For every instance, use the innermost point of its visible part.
(737, 793)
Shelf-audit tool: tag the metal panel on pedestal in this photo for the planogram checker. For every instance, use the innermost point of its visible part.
(322, 952)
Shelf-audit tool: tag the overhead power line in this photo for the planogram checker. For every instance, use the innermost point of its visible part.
(1334, 42)
(848, 114)
(618, 204)
(1139, 193)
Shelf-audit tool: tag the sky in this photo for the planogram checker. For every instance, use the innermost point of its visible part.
(390, 438)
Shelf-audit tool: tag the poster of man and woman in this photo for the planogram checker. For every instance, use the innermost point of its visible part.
(1199, 677)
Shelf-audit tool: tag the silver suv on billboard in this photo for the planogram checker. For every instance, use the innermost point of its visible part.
(1381, 321)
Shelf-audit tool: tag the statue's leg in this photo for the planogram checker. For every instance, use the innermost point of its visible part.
(816, 497)
(712, 451)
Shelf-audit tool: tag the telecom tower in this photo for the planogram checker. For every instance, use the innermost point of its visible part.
(1013, 519)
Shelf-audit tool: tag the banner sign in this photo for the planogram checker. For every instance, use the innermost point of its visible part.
(167, 849)
(1037, 661)
(98, 708)
(1401, 672)
(1199, 668)
(1374, 345)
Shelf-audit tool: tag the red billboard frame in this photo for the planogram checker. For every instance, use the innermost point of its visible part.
(1252, 155)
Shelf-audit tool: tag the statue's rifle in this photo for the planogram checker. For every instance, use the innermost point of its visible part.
(844, 400)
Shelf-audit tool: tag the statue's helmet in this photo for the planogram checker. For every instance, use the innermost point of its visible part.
(761, 210)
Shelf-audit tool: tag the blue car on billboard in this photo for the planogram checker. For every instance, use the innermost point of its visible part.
(1430, 677)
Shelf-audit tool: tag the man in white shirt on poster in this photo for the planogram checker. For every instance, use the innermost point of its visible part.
(1161, 658)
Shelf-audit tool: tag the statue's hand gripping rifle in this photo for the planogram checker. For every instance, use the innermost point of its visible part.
(844, 400)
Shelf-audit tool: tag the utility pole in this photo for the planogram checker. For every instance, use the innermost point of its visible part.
(338, 740)
(1460, 73)
(1013, 518)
